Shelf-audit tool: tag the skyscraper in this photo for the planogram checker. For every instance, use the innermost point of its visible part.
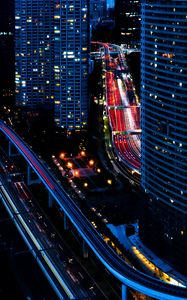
(164, 131)
(71, 63)
(33, 52)
(52, 48)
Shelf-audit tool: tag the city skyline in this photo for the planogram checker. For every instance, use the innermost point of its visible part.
(93, 148)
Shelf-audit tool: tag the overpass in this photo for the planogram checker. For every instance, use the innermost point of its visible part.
(126, 274)
(130, 50)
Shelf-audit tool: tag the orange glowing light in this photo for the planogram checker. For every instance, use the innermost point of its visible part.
(69, 164)
(62, 155)
(91, 162)
(83, 153)
(76, 173)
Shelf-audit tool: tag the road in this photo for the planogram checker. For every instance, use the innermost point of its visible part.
(123, 110)
(117, 266)
(75, 281)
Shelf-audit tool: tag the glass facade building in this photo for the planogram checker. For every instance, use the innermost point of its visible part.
(71, 63)
(52, 58)
(164, 127)
(33, 52)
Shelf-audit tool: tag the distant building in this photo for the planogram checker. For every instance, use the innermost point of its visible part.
(52, 58)
(127, 21)
(98, 10)
(104, 30)
(164, 130)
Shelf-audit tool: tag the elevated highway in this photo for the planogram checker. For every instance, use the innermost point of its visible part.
(117, 266)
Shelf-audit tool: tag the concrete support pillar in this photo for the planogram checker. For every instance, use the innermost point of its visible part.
(29, 177)
(50, 200)
(124, 292)
(10, 150)
(66, 227)
(85, 249)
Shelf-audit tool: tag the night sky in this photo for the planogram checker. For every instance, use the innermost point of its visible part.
(6, 15)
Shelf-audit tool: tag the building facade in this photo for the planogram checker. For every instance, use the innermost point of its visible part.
(164, 128)
(71, 63)
(33, 52)
(52, 58)
(127, 19)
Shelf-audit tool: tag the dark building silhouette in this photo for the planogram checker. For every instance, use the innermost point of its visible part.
(127, 21)
(6, 50)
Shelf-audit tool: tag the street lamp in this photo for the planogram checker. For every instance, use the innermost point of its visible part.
(62, 155)
(109, 181)
(91, 162)
(83, 153)
(76, 173)
(69, 165)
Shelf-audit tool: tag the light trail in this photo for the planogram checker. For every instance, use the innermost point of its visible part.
(115, 264)
(38, 246)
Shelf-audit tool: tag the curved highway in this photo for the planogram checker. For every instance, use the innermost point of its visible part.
(118, 267)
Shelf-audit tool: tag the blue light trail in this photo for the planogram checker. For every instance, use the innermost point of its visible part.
(116, 265)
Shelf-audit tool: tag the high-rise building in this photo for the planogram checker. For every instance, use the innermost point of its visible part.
(52, 49)
(164, 127)
(97, 11)
(71, 63)
(33, 52)
(127, 19)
